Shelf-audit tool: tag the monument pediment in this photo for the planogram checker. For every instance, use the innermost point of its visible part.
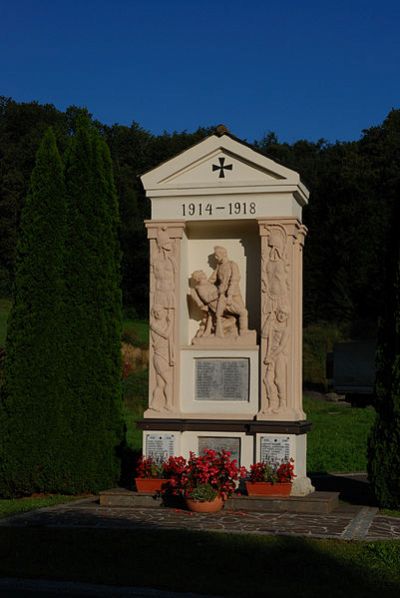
(221, 164)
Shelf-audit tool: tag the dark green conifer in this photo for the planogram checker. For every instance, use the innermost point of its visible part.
(93, 305)
(384, 441)
(32, 415)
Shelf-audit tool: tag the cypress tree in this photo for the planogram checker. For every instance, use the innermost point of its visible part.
(93, 307)
(32, 414)
(384, 441)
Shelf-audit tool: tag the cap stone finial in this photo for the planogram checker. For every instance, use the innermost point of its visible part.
(221, 130)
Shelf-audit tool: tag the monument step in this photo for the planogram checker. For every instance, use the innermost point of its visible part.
(316, 502)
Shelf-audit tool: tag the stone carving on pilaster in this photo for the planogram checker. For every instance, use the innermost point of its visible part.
(164, 283)
(275, 332)
(161, 330)
(225, 317)
(164, 269)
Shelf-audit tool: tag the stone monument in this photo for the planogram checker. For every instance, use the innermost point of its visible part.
(226, 244)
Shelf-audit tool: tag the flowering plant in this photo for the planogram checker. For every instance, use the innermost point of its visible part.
(207, 475)
(149, 468)
(271, 472)
(173, 470)
(153, 468)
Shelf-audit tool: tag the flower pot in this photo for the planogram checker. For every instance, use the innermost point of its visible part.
(149, 485)
(268, 489)
(205, 506)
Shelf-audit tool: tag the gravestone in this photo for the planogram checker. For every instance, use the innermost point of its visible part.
(226, 243)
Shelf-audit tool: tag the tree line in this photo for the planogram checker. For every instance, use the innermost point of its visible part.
(60, 397)
(354, 186)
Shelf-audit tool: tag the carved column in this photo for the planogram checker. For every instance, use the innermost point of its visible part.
(282, 241)
(165, 259)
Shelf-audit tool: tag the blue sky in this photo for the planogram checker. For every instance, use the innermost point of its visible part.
(304, 69)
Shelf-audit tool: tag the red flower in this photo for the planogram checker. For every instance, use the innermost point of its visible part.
(263, 471)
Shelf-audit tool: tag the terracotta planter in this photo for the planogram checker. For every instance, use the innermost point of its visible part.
(205, 506)
(149, 485)
(268, 489)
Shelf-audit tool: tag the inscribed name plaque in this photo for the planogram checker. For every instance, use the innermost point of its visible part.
(275, 449)
(219, 443)
(222, 379)
(160, 446)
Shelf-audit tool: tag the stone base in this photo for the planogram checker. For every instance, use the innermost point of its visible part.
(302, 487)
(121, 497)
(231, 342)
(317, 502)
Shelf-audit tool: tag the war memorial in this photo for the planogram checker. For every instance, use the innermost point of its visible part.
(226, 240)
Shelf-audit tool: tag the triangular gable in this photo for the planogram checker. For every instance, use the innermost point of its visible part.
(221, 164)
(218, 161)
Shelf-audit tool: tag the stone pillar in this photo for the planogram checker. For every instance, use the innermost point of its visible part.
(165, 259)
(282, 241)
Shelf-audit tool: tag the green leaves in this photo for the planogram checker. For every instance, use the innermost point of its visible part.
(60, 415)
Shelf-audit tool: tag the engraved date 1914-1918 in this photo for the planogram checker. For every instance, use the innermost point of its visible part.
(207, 209)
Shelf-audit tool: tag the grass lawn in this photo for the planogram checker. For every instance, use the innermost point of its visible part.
(22, 505)
(336, 443)
(204, 562)
(338, 439)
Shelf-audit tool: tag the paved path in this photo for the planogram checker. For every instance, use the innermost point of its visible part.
(348, 522)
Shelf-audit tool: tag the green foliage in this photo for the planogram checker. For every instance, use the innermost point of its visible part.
(337, 441)
(61, 414)
(203, 493)
(33, 415)
(135, 398)
(353, 188)
(93, 310)
(318, 340)
(384, 442)
(5, 306)
(136, 333)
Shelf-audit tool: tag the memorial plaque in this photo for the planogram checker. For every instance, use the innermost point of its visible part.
(275, 449)
(218, 443)
(222, 379)
(160, 446)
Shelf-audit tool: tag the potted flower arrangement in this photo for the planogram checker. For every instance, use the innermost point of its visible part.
(270, 479)
(149, 475)
(152, 475)
(208, 480)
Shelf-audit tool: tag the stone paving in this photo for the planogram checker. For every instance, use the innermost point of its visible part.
(347, 522)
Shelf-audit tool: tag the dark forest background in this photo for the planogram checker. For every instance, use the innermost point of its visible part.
(354, 186)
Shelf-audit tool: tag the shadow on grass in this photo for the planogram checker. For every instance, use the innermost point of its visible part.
(355, 490)
(203, 562)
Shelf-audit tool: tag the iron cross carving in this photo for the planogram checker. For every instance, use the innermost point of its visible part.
(222, 167)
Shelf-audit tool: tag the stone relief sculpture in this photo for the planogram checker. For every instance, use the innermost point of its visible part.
(225, 316)
(164, 268)
(276, 314)
(163, 358)
(162, 321)
(205, 295)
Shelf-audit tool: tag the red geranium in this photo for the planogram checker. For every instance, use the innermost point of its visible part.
(262, 471)
(285, 471)
(149, 468)
(212, 470)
